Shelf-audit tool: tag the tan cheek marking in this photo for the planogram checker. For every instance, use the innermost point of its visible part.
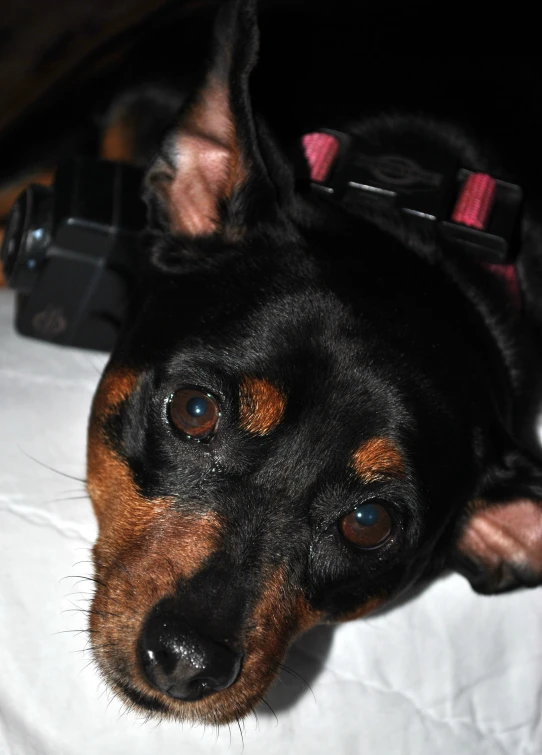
(376, 458)
(118, 505)
(115, 387)
(132, 526)
(307, 616)
(278, 617)
(170, 546)
(273, 621)
(135, 571)
(368, 607)
(109, 482)
(261, 406)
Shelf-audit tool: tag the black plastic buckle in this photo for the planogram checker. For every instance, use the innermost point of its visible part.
(423, 181)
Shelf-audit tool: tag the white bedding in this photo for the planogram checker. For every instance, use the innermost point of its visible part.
(449, 673)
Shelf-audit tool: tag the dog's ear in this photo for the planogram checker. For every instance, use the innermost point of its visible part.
(498, 538)
(211, 176)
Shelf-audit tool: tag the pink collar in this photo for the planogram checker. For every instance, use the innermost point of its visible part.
(480, 218)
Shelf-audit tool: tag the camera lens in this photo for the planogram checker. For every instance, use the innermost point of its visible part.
(27, 236)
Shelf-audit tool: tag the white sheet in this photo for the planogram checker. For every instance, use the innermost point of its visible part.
(450, 673)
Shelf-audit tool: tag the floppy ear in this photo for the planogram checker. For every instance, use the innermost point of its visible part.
(498, 544)
(210, 176)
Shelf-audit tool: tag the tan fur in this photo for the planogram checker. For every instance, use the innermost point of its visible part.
(114, 388)
(365, 609)
(377, 458)
(136, 567)
(261, 406)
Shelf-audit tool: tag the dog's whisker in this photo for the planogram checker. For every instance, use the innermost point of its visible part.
(101, 613)
(264, 701)
(89, 611)
(296, 675)
(87, 665)
(73, 631)
(100, 646)
(242, 735)
(255, 714)
(113, 695)
(98, 370)
(81, 595)
(83, 497)
(52, 469)
(74, 610)
(83, 577)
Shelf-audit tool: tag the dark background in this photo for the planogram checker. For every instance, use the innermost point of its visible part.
(319, 62)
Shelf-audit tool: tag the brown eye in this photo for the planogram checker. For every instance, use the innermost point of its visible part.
(194, 412)
(368, 525)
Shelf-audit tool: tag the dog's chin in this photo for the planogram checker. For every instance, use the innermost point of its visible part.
(224, 707)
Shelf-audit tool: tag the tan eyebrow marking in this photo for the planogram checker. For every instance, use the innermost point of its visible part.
(261, 405)
(377, 457)
(114, 388)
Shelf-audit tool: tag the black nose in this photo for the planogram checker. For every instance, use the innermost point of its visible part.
(182, 663)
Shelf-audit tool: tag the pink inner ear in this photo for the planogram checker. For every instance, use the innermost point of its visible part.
(202, 177)
(508, 533)
(208, 163)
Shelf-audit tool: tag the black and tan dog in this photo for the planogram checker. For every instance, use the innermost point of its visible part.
(306, 415)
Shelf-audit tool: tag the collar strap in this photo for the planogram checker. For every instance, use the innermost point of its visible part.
(474, 209)
(472, 212)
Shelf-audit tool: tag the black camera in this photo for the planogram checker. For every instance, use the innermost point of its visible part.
(70, 252)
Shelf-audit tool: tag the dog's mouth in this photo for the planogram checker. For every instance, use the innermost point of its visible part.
(216, 707)
(139, 699)
(161, 666)
(220, 706)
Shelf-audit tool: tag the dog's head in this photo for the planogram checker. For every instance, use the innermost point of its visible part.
(300, 422)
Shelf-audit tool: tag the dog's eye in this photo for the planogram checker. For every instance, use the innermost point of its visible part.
(368, 525)
(194, 413)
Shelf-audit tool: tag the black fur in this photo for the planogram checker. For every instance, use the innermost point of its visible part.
(371, 330)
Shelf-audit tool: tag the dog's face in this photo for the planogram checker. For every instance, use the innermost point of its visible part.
(284, 435)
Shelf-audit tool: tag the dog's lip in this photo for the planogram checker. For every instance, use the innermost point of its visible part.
(140, 698)
(200, 710)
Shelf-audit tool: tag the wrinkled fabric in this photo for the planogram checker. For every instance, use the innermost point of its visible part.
(449, 672)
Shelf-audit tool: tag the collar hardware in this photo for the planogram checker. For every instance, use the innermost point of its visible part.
(470, 210)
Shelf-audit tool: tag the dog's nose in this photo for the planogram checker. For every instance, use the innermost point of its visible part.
(182, 663)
